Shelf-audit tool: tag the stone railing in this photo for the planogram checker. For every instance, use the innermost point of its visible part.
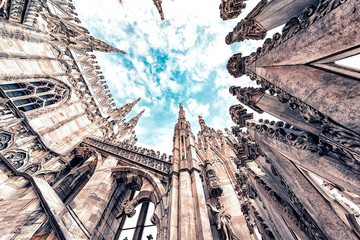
(139, 156)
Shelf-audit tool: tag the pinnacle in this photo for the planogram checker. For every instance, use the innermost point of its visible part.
(136, 118)
(181, 112)
(157, 4)
(118, 50)
(136, 101)
(200, 118)
(99, 45)
(121, 112)
(133, 121)
(202, 123)
(139, 115)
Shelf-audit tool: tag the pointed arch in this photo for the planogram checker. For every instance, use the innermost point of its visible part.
(17, 157)
(152, 190)
(6, 139)
(32, 169)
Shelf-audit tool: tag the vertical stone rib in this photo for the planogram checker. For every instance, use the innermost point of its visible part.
(316, 205)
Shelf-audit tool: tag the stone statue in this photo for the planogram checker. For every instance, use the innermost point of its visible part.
(222, 220)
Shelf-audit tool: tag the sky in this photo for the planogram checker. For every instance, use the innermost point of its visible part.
(181, 59)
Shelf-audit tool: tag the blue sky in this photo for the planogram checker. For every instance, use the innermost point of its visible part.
(182, 59)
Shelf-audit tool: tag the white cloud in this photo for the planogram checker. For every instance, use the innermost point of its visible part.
(195, 108)
(168, 61)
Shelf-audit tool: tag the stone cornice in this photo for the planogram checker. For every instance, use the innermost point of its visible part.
(132, 155)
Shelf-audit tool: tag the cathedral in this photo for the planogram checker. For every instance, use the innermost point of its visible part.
(71, 168)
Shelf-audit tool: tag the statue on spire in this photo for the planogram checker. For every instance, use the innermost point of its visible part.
(202, 124)
(181, 112)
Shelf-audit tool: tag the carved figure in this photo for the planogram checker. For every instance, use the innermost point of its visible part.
(236, 65)
(222, 220)
(230, 9)
(127, 208)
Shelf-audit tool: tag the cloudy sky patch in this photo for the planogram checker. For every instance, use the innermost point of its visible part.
(182, 59)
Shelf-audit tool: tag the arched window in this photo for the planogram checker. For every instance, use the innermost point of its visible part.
(138, 226)
(17, 158)
(37, 94)
(4, 140)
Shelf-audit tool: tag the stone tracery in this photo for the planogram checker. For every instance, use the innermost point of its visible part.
(28, 96)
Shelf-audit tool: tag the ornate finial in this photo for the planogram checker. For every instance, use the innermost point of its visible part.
(181, 112)
(236, 65)
(230, 9)
(249, 96)
(246, 29)
(202, 123)
(136, 119)
(239, 115)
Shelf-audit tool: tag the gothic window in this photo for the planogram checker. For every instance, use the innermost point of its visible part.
(33, 169)
(16, 158)
(4, 140)
(37, 94)
(139, 226)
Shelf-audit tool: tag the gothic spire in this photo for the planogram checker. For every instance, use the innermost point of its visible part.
(135, 119)
(181, 113)
(124, 110)
(101, 46)
(157, 4)
(128, 127)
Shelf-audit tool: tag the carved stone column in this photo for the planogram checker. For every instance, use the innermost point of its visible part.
(306, 39)
(260, 101)
(281, 206)
(188, 214)
(317, 206)
(330, 161)
(266, 16)
(333, 95)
